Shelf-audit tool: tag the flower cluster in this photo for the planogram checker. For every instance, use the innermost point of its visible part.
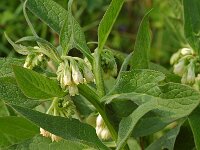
(101, 129)
(73, 71)
(63, 107)
(185, 63)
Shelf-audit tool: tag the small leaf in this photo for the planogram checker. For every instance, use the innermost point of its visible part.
(108, 21)
(67, 128)
(140, 57)
(6, 66)
(43, 143)
(15, 129)
(11, 94)
(192, 23)
(194, 120)
(35, 85)
(167, 141)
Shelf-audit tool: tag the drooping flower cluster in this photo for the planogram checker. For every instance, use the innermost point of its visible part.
(101, 129)
(73, 71)
(63, 107)
(185, 63)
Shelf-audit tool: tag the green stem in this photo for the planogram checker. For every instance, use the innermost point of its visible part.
(98, 73)
(93, 98)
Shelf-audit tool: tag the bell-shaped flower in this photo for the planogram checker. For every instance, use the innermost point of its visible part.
(180, 68)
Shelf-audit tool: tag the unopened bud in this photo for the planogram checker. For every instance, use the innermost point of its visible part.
(191, 73)
(76, 74)
(88, 75)
(175, 57)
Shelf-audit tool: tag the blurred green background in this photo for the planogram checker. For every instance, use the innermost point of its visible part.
(165, 20)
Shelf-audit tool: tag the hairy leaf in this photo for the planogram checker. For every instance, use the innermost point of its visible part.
(43, 143)
(55, 17)
(194, 120)
(108, 21)
(15, 129)
(167, 141)
(10, 93)
(35, 85)
(6, 66)
(192, 23)
(171, 100)
(140, 57)
(67, 128)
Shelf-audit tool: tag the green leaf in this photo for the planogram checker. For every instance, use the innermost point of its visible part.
(42, 143)
(167, 141)
(71, 36)
(171, 100)
(6, 66)
(55, 19)
(11, 94)
(192, 23)
(15, 129)
(3, 109)
(108, 21)
(140, 57)
(35, 85)
(194, 120)
(127, 124)
(67, 128)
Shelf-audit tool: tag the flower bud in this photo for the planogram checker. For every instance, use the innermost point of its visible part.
(73, 90)
(67, 75)
(186, 51)
(179, 68)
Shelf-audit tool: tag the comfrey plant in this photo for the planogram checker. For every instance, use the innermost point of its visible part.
(97, 103)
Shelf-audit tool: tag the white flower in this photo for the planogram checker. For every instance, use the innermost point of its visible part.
(179, 68)
(45, 133)
(76, 74)
(67, 77)
(101, 129)
(186, 51)
(73, 90)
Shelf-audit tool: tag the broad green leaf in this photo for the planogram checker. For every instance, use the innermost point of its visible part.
(67, 128)
(42, 143)
(71, 36)
(140, 57)
(192, 23)
(10, 93)
(194, 120)
(15, 129)
(171, 100)
(6, 66)
(167, 141)
(108, 21)
(35, 85)
(55, 18)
